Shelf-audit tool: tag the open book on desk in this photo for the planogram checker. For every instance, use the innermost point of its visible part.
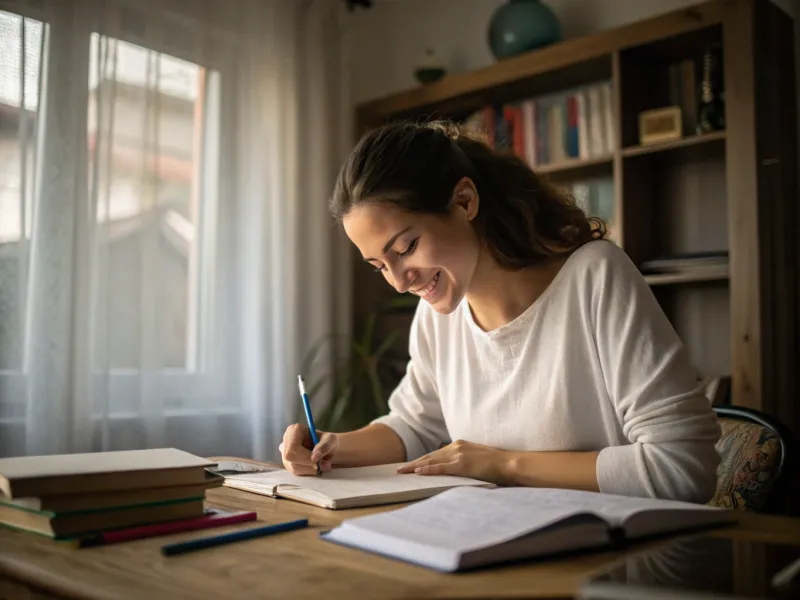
(467, 528)
(349, 488)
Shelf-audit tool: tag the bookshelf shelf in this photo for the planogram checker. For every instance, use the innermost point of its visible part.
(576, 166)
(686, 142)
(699, 276)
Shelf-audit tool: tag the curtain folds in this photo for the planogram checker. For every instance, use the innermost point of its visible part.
(166, 255)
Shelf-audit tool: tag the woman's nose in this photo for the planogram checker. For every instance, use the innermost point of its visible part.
(403, 278)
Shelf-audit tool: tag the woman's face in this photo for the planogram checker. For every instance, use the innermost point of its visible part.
(431, 255)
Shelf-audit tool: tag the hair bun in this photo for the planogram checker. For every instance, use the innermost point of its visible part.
(448, 128)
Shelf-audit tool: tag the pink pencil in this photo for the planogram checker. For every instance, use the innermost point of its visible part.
(214, 518)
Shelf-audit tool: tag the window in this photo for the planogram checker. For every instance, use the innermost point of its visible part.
(146, 126)
(151, 160)
(21, 43)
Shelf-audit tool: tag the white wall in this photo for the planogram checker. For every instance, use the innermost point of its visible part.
(390, 37)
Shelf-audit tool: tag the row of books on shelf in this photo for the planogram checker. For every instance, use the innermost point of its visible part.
(107, 497)
(575, 124)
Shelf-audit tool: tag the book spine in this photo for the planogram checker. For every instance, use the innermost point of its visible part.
(543, 157)
(583, 125)
(518, 132)
(608, 117)
(555, 143)
(572, 140)
(690, 98)
(529, 131)
(595, 121)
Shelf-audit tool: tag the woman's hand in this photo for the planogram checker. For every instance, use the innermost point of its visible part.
(464, 459)
(298, 456)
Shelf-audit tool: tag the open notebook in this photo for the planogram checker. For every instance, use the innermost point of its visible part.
(349, 488)
(467, 528)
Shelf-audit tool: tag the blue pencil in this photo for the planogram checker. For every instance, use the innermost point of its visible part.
(309, 419)
(236, 536)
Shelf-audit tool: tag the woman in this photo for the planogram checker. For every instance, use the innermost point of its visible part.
(537, 344)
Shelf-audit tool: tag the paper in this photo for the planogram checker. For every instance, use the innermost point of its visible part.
(357, 482)
(468, 519)
(613, 508)
(235, 467)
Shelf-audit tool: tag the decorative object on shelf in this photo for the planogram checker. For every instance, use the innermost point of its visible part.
(431, 67)
(712, 92)
(520, 26)
(660, 125)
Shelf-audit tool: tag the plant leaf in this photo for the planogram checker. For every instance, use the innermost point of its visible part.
(369, 328)
(339, 408)
(387, 343)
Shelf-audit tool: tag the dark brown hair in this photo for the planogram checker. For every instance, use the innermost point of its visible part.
(522, 218)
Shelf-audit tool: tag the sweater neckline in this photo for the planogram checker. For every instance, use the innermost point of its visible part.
(524, 317)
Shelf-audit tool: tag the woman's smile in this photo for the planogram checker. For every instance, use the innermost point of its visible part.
(429, 290)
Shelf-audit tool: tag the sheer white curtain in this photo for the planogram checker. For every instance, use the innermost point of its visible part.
(166, 257)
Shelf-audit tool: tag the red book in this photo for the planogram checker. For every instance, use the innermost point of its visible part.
(214, 517)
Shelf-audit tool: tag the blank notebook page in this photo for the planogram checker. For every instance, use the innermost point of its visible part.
(357, 482)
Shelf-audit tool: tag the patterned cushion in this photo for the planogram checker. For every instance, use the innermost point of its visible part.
(750, 455)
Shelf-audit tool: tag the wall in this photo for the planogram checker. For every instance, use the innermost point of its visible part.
(390, 37)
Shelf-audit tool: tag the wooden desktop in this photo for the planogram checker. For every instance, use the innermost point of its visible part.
(293, 565)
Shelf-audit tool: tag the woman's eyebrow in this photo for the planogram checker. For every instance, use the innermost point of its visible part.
(390, 242)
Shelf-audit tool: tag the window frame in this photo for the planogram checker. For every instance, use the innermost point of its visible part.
(196, 389)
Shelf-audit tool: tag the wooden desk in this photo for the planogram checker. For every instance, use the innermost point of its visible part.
(292, 565)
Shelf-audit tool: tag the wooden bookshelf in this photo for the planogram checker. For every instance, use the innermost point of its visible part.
(575, 166)
(701, 275)
(686, 142)
(730, 190)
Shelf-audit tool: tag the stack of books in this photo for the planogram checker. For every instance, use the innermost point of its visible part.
(77, 495)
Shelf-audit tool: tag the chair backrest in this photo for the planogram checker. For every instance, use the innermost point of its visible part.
(758, 460)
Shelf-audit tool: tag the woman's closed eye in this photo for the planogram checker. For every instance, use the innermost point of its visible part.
(410, 249)
(407, 252)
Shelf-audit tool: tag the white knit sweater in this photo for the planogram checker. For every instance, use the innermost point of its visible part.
(592, 364)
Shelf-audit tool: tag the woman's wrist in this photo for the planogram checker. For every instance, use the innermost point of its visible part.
(516, 468)
(374, 444)
(569, 470)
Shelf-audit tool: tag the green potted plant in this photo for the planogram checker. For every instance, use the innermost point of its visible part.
(361, 383)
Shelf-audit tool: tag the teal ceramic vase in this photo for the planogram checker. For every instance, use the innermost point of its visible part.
(520, 26)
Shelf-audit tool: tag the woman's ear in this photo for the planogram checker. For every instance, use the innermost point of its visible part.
(465, 198)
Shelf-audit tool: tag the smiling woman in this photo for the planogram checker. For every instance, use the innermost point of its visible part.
(538, 346)
(446, 198)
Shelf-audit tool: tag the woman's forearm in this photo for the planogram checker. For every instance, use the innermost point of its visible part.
(567, 470)
(371, 445)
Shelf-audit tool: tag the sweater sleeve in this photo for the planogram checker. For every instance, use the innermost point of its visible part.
(658, 400)
(415, 412)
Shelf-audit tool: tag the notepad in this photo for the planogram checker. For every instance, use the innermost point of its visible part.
(350, 488)
(467, 528)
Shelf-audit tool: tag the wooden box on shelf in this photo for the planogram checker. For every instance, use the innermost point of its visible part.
(660, 125)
